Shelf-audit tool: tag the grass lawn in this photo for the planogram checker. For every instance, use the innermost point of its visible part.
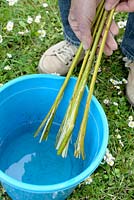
(21, 46)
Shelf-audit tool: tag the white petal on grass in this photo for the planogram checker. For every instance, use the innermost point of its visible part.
(45, 5)
(8, 68)
(124, 81)
(121, 143)
(114, 82)
(118, 136)
(23, 32)
(99, 70)
(117, 130)
(130, 118)
(117, 87)
(108, 158)
(9, 55)
(27, 31)
(29, 20)
(106, 101)
(42, 33)
(88, 180)
(115, 103)
(119, 40)
(122, 24)
(12, 2)
(37, 19)
(131, 124)
(9, 26)
(120, 92)
(120, 82)
(1, 39)
(117, 112)
(1, 84)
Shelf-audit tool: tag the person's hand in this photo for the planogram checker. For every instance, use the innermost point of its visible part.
(126, 6)
(121, 6)
(81, 17)
(82, 13)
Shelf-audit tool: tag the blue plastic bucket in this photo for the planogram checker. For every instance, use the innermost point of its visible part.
(32, 170)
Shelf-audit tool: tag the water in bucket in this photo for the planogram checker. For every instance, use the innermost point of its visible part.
(25, 159)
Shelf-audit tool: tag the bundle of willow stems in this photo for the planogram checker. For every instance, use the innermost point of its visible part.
(101, 22)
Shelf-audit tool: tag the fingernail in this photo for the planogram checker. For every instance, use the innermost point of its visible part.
(115, 47)
(85, 46)
(117, 9)
(87, 43)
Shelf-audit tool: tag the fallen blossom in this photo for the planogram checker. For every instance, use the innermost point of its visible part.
(114, 82)
(122, 24)
(115, 103)
(23, 32)
(106, 101)
(88, 180)
(117, 87)
(9, 55)
(118, 136)
(120, 92)
(9, 26)
(124, 81)
(12, 2)
(117, 130)
(45, 5)
(37, 19)
(7, 68)
(121, 143)
(130, 118)
(42, 33)
(1, 39)
(119, 40)
(29, 20)
(131, 124)
(108, 158)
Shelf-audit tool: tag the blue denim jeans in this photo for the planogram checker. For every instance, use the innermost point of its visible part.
(127, 45)
(69, 35)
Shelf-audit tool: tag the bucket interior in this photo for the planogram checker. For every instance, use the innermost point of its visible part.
(23, 105)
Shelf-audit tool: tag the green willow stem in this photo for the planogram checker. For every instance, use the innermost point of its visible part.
(47, 121)
(88, 51)
(80, 141)
(70, 117)
(74, 96)
(99, 8)
(98, 22)
(53, 109)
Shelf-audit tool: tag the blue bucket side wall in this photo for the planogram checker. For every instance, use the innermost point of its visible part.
(49, 87)
(16, 194)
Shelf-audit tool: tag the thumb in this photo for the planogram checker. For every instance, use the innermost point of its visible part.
(85, 34)
(82, 30)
